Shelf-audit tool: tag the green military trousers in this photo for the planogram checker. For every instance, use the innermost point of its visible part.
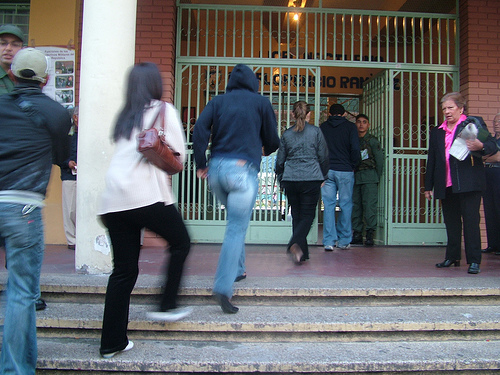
(364, 206)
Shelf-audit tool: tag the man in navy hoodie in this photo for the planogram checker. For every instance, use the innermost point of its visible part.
(242, 126)
(343, 145)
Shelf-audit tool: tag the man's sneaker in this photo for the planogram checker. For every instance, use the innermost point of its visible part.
(129, 346)
(344, 247)
(328, 248)
(40, 304)
(171, 315)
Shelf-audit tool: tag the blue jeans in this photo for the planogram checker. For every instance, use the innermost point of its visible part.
(235, 184)
(341, 232)
(21, 228)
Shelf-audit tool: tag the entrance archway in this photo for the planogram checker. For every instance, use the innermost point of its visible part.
(416, 53)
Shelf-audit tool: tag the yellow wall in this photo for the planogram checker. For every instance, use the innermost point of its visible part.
(54, 23)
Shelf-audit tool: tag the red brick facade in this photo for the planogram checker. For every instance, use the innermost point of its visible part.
(480, 56)
(155, 39)
(479, 32)
(480, 62)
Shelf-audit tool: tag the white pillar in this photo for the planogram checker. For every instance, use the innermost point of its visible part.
(108, 51)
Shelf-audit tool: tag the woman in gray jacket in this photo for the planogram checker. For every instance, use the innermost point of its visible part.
(302, 166)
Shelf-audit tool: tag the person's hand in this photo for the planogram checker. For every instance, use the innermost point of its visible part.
(474, 144)
(492, 158)
(428, 195)
(72, 164)
(202, 173)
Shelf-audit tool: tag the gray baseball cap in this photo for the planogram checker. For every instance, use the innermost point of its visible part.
(30, 63)
(12, 29)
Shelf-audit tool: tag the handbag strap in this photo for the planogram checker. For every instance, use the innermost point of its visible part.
(160, 114)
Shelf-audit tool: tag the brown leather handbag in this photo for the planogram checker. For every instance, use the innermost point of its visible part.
(154, 147)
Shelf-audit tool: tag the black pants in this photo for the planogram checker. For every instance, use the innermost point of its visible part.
(462, 209)
(491, 203)
(303, 197)
(125, 232)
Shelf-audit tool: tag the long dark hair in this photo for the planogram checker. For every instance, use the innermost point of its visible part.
(300, 111)
(144, 84)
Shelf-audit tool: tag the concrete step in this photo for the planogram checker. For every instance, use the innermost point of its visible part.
(63, 356)
(285, 323)
(309, 325)
(315, 291)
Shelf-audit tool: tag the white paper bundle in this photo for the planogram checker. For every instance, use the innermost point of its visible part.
(459, 148)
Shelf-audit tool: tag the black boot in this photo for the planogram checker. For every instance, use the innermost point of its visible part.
(357, 239)
(369, 238)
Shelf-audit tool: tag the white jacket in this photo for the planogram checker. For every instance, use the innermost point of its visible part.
(131, 181)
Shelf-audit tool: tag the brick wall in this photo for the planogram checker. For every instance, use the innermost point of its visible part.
(480, 62)
(480, 57)
(155, 39)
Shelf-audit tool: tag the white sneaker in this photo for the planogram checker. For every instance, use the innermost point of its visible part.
(345, 247)
(129, 346)
(171, 315)
(328, 248)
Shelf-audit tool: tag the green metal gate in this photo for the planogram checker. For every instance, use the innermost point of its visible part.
(203, 213)
(287, 47)
(403, 106)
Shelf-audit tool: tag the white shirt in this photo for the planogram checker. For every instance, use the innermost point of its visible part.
(131, 181)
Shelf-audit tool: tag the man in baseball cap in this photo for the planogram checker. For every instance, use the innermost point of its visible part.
(11, 42)
(30, 64)
(34, 136)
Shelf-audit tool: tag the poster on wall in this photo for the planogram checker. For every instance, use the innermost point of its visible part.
(60, 85)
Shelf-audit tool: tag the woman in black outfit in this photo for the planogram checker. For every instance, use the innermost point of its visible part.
(302, 166)
(458, 184)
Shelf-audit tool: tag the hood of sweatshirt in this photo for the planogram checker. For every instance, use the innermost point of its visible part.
(243, 78)
(336, 120)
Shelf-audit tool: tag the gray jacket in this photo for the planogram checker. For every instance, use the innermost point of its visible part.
(302, 156)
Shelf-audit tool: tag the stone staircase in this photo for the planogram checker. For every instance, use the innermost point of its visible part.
(302, 325)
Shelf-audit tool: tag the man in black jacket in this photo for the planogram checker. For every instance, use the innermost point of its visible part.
(68, 178)
(34, 132)
(343, 146)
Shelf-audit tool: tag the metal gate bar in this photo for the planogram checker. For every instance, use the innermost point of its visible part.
(286, 51)
(324, 35)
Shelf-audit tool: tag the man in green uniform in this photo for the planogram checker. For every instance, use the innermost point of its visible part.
(366, 178)
(11, 42)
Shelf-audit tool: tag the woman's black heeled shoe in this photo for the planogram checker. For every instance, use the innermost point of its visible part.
(474, 268)
(448, 263)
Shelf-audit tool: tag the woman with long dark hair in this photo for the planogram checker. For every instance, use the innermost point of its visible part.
(302, 166)
(139, 195)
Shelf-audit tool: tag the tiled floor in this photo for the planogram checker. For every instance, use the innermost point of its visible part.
(271, 261)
